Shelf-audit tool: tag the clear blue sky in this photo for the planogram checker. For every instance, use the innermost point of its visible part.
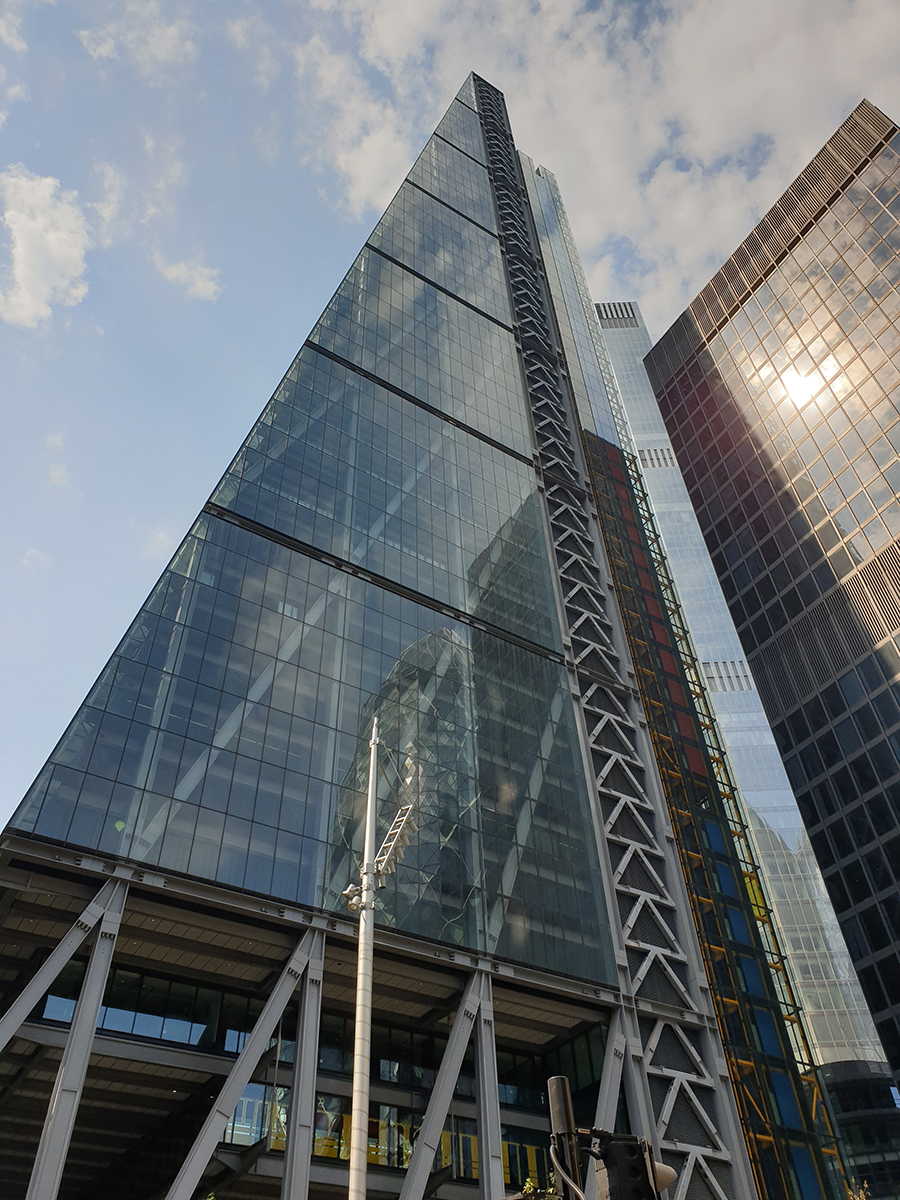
(183, 185)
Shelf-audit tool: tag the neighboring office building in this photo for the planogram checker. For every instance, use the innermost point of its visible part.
(838, 1023)
(778, 387)
(410, 531)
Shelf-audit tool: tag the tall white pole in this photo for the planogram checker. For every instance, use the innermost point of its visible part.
(362, 1038)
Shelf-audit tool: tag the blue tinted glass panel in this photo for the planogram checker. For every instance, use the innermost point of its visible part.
(466, 94)
(425, 343)
(768, 1033)
(453, 177)
(787, 1100)
(752, 976)
(808, 1176)
(250, 679)
(446, 248)
(345, 465)
(462, 127)
(739, 928)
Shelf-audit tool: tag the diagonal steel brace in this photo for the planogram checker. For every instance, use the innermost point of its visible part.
(214, 1126)
(51, 967)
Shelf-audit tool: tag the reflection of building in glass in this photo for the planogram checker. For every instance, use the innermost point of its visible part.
(480, 737)
(410, 527)
(428, 759)
(837, 1019)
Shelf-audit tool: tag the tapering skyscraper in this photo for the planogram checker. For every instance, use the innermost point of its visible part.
(435, 521)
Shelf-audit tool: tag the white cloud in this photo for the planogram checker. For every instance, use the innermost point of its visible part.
(671, 125)
(126, 201)
(252, 36)
(199, 282)
(167, 171)
(59, 476)
(108, 207)
(35, 561)
(18, 92)
(266, 138)
(11, 16)
(142, 35)
(99, 43)
(48, 238)
(346, 125)
(159, 544)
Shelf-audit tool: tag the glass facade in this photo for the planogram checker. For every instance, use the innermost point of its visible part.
(411, 531)
(376, 547)
(842, 1037)
(779, 1103)
(757, 1012)
(578, 331)
(779, 391)
(838, 1022)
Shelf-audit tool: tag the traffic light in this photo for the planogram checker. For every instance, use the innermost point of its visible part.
(628, 1167)
(625, 1169)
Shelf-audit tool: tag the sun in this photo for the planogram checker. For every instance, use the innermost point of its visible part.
(799, 387)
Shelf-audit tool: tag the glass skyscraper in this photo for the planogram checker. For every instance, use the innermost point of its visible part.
(418, 528)
(838, 1021)
(778, 387)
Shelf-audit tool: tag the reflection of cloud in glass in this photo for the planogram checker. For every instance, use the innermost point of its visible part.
(810, 934)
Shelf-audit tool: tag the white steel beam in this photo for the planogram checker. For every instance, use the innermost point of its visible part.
(53, 1147)
(611, 1075)
(490, 1143)
(51, 967)
(214, 1126)
(302, 1112)
(429, 1140)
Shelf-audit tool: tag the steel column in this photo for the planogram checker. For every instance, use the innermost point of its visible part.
(46, 1175)
(362, 1015)
(302, 1111)
(596, 1183)
(429, 1140)
(214, 1126)
(611, 1075)
(490, 1142)
(51, 967)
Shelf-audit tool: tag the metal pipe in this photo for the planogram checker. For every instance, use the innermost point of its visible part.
(563, 1136)
(362, 1036)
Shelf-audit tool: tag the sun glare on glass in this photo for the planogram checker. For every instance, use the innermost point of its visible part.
(800, 388)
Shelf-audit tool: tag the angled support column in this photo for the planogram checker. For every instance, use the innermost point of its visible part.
(51, 967)
(302, 1112)
(429, 1140)
(490, 1144)
(611, 1078)
(211, 1134)
(596, 1184)
(53, 1148)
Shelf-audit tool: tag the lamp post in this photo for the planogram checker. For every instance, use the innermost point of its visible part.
(361, 899)
(362, 1033)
